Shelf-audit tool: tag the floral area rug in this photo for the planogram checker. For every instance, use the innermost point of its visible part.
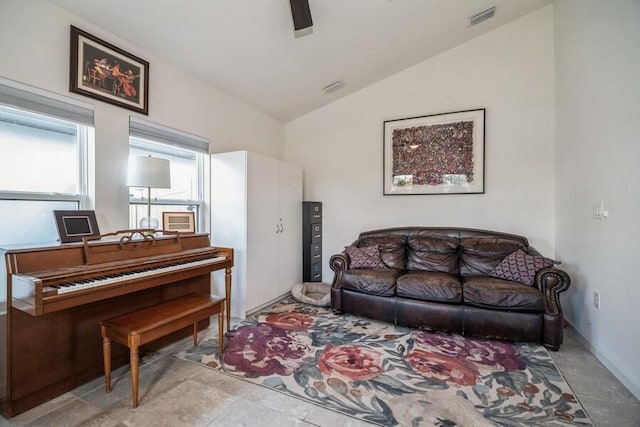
(392, 375)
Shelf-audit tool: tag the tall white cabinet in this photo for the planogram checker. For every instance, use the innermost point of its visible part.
(256, 209)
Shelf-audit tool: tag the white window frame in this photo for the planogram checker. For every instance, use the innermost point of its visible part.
(31, 100)
(157, 134)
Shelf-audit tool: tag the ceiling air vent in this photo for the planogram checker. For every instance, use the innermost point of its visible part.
(333, 87)
(482, 16)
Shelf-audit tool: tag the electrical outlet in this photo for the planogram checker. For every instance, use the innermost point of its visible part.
(596, 300)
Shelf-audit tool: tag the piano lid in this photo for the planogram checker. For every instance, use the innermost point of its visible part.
(109, 249)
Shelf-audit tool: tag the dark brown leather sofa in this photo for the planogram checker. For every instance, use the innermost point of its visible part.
(437, 278)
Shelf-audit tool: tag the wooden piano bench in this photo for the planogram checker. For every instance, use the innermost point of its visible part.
(140, 327)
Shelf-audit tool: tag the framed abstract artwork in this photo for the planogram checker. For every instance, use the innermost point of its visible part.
(435, 154)
(105, 72)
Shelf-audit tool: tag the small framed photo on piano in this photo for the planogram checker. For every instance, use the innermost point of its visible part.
(74, 225)
(184, 222)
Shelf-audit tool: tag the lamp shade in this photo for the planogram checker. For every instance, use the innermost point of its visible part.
(147, 171)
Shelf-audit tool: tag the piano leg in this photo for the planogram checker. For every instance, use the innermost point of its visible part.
(227, 289)
(220, 334)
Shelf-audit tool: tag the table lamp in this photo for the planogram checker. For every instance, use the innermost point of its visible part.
(150, 172)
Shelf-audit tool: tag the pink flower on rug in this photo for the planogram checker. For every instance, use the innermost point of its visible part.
(496, 355)
(263, 350)
(449, 344)
(290, 320)
(352, 361)
(439, 367)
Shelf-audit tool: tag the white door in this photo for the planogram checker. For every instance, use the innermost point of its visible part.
(290, 242)
(262, 230)
(229, 222)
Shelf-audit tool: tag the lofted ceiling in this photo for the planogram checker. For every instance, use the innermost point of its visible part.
(249, 49)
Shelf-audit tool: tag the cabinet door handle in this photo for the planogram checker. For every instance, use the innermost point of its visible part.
(281, 228)
(277, 228)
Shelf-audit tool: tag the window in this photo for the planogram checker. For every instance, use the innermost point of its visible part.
(43, 161)
(188, 157)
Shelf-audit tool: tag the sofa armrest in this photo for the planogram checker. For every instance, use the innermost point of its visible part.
(551, 282)
(339, 264)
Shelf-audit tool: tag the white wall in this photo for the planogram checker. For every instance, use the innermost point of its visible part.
(34, 42)
(508, 71)
(597, 54)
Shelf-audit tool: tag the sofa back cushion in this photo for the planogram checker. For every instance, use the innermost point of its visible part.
(480, 254)
(432, 253)
(391, 246)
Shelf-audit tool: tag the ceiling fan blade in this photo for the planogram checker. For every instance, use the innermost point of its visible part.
(301, 14)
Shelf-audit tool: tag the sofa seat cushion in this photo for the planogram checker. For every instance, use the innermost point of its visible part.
(430, 286)
(490, 292)
(377, 282)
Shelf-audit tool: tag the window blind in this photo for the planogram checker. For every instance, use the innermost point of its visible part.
(36, 100)
(152, 131)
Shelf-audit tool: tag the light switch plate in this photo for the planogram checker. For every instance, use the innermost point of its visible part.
(598, 207)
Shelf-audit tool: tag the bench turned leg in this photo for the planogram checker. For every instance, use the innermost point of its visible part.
(106, 354)
(134, 374)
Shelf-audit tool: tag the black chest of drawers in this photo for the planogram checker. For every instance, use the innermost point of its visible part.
(312, 241)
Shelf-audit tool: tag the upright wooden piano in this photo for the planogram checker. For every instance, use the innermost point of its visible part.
(53, 298)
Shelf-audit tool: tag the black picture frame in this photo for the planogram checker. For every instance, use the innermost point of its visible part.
(107, 73)
(74, 225)
(435, 154)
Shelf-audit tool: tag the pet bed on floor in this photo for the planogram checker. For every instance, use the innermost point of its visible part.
(313, 293)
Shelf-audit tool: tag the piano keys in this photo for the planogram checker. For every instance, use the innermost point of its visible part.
(53, 299)
(51, 290)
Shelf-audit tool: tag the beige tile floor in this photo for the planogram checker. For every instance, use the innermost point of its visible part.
(178, 393)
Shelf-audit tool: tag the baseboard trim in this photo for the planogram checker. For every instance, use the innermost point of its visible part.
(267, 304)
(626, 381)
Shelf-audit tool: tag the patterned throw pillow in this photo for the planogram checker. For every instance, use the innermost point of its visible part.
(367, 257)
(520, 267)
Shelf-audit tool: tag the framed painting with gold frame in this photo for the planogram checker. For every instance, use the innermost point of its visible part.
(105, 72)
